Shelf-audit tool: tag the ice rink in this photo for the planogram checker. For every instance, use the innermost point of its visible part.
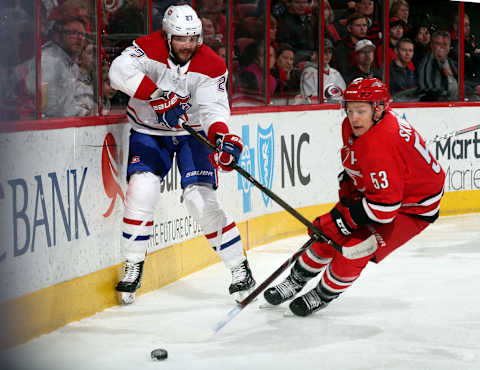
(418, 309)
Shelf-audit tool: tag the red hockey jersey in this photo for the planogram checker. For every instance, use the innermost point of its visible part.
(394, 170)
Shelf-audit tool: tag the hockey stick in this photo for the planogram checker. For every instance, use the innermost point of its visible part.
(437, 138)
(241, 305)
(358, 251)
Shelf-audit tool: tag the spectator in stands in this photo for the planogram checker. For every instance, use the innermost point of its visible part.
(210, 35)
(108, 91)
(278, 7)
(214, 9)
(471, 56)
(401, 9)
(364, 62)
(333, 83)
(422, 44)
(250, 26)
(74, 9)
(295, 29)
(333, 29)
(437, 74)
(401, 76)
(60, 70)
(357, 25)
(288, 78)
(251, 77)
(273, 30)
(367, 8)
(86, 79)
(396, 29)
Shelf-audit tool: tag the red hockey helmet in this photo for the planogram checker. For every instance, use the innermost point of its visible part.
(371, 90)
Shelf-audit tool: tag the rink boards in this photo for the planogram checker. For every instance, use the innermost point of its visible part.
(61, 194)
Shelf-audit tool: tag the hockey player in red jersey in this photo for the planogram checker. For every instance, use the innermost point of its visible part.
(172, 77)
(390, 190)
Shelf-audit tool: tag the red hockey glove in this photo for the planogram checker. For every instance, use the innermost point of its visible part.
(337, 224)
(347, 193)
(229, 147)
(170, 107)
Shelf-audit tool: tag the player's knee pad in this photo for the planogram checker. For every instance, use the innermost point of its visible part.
(203, 204)
(220, 230)
(143, 192)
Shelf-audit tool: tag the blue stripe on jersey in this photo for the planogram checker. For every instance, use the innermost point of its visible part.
(140, 237)
(228, 244)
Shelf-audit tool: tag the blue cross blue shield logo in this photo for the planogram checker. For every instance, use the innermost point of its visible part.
(247, 162)
(265, 158)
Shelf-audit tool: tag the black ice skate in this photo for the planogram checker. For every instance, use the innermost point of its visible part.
(284, 291)
(308, 303)
(132, 280)
(242, 281)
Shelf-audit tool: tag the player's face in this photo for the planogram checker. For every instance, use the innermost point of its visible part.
(360, 116)
(183, 47)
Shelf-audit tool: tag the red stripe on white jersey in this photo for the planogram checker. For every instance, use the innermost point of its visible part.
(224, 230)
(129, 221)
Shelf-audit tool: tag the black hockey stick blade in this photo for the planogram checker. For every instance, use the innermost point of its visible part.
(260, 288)
(354, 252)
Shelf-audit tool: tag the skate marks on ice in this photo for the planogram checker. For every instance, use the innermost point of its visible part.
(398, 315)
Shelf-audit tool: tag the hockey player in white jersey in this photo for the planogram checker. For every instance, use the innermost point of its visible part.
(172, 77)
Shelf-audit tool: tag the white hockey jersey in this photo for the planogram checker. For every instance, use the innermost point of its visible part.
(145, 66)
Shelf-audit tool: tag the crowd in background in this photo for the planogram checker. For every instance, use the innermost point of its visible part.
(422, 54)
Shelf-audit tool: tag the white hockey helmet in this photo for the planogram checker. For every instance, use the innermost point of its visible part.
(181, 20)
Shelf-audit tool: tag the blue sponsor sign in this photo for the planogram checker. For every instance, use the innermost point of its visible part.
(247, 162)
(265, 158)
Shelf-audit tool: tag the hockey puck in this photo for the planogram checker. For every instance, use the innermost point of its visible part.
(159, 354)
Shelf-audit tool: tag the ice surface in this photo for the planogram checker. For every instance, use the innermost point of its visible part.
(418, 309)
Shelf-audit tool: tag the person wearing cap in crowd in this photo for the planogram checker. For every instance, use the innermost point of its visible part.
(333, 82)
(357, 26)
(364, 62)
(402, 77)
(401, 9)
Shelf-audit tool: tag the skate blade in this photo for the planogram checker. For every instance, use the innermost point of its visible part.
(288, 313)
(126, 298)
